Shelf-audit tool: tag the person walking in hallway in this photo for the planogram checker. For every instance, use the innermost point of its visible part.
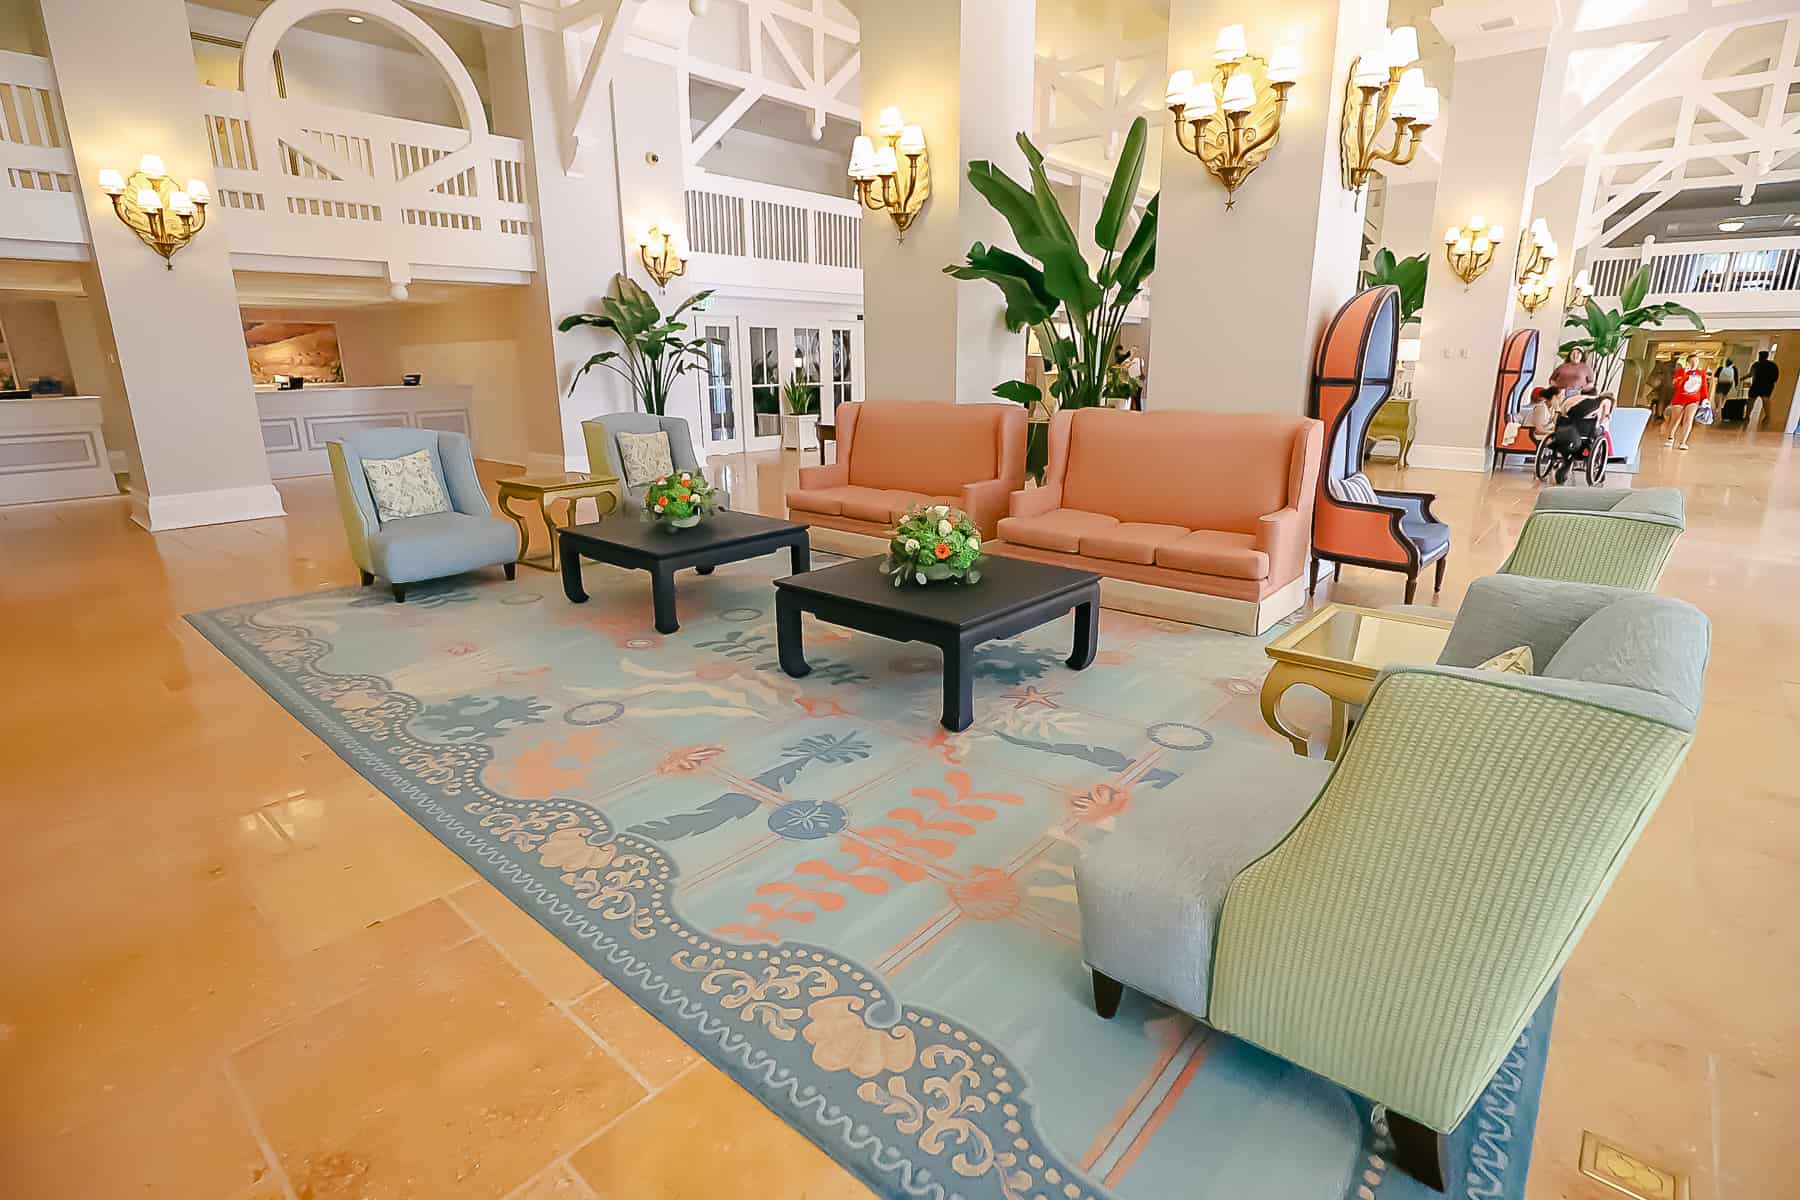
(1763, 374)
(1690, 390)
(1724, 383)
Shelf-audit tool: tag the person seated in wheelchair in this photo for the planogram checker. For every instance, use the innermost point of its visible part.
(1580, 430)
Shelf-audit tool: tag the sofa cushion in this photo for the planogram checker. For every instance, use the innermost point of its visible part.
(878, 505)
(1131, 541)
(825, 501)
(1152, 891)
(1200, 470)
(1209, 552)
(1431, 537)
(1643, 641)
(429, 547)
(935, 448)
(1059, 529)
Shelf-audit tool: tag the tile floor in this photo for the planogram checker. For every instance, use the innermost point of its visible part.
(234, 970)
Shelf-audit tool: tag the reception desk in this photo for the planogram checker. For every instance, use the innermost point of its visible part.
(297, 424)
(51, 448)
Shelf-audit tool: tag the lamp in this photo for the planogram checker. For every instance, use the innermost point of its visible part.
(1537, 250)
(1534, 290)
(663, 253)
(1581, 289)
(1471, 250)
(164, 215)
(1385, 88)
(1231, 122)
(875, 172)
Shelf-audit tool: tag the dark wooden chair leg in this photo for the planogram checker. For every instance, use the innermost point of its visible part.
(1312, 580)
(1419, 1150)
(399, 593)
(1437, 581)
(1412, 585)
(511, 569)
(1107, 994)
(368, 577)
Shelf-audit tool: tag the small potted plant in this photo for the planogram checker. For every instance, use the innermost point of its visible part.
(680, 501)
(933, 543)
(800, 424)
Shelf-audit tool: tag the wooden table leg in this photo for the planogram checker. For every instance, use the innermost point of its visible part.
(662, 598)
(549, 529)
(800, 555)
(1087, 635)
(571, 573)
(506, 497)
(1282, 677)
(1340, 729)
(959, 686)
(787, 637)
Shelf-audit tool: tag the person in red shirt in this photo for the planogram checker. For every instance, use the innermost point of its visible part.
(1690, 390)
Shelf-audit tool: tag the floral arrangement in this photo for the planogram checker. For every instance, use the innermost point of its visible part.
(934, 542)
(680, 501)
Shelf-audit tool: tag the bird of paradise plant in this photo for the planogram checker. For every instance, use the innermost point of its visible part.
(652, 354)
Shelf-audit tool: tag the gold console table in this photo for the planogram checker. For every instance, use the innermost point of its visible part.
(1397, 419)
(544, 490)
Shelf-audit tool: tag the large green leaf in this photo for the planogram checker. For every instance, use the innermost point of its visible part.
(1012, 202)
(599, 320)
(1020, 392)
(1139, 259)
(1636, 288)
(1065, 271)
(1028, 299)
(690, 302)
(1126, 175)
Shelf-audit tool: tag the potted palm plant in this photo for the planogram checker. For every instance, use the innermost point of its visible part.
(652, 354)
(1074, 311)
(800, 423)
(1407, 274)
(1605, 333)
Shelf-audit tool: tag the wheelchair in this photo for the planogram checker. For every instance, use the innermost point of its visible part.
(1577, 440)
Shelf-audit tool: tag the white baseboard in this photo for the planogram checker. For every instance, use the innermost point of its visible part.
(1448, 458)
(184, 510)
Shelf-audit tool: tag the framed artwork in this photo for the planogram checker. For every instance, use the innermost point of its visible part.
(308, 349)
(220, 63)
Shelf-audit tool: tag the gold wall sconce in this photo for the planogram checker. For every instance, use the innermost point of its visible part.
(1534, 290)
(1471, 250)
(664, 254)
(870, 167)
(1581, 290)
(164, 216)
(1231, 122)
(1385, 89)
(1537, 250)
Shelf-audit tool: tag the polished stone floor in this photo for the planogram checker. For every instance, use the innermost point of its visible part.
(233, 969)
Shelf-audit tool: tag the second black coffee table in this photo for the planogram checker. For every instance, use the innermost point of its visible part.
(1014, 595)
(636, 544)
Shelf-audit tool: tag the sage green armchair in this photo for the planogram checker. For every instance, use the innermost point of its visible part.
(1393, 922)
(1620, 537)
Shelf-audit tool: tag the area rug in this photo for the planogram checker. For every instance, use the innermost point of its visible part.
(868, 922)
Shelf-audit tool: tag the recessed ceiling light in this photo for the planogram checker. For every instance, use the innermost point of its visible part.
(1730, 226)
(354, 20)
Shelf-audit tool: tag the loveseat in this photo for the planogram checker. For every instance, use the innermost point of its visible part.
(1199, 516)
(892, 456)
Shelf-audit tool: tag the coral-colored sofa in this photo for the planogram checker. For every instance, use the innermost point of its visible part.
(894, 455)
(1196, 515)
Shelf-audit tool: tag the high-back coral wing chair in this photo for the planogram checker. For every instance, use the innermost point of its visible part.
(1512, 395)
(1620, 537)
(1393, 922)
(409, 549)
(1353, 376)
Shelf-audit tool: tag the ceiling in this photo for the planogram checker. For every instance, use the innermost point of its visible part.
(463, 37)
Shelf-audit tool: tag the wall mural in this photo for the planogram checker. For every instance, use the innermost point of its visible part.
(308, 349)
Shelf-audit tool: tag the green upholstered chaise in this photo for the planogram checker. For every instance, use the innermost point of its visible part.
(1615, 536)
(1392, 922)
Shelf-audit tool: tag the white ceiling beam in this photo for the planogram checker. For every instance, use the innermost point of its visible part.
(720, 125)
(482, 12)
(585, 94)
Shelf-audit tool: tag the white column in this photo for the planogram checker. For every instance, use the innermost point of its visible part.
(1407, 213)
(962, 71)
(128, 89)
(1486, 173)
(1240, 297)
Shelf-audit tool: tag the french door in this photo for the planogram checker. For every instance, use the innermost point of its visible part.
(752, 359)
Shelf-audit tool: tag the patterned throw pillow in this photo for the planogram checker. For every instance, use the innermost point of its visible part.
(1516, 661)
(405, 487)
(645, 456)
(1352, 489)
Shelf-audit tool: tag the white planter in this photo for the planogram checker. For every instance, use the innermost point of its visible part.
(799, 433)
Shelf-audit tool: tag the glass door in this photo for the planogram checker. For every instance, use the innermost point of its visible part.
(719, 392)
(763, 426)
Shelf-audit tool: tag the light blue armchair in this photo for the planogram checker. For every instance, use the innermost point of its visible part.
(413, 548)
(601, 436)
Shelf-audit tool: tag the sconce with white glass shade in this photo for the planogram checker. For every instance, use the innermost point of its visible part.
(1385, 89)
(875, 170)
(1470, 248)
(663, 251)
(164, 215)
(1581, 290)
(1231, 121)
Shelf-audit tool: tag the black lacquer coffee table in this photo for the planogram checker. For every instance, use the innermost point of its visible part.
(635, 544)
(1014, 595)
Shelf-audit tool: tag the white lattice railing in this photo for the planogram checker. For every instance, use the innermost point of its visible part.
(1739, 275)
(758, 234)
(38, 201)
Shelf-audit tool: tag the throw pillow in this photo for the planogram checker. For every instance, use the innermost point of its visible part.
(1353, 489)
(407, 486)
(645, 456)
(1516, 661)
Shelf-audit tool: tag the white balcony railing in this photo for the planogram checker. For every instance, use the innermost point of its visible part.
(38, 200)
(758, 236)
(1744, 275)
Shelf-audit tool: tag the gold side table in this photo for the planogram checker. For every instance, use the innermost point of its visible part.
(1340, 650)
(544, 490)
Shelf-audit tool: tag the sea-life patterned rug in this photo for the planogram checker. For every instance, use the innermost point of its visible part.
(867, 921)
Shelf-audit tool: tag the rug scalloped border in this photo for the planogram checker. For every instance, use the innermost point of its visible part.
(908, 1099)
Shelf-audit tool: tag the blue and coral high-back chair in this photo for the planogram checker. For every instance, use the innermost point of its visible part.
(1512, 396)
(1353, 376)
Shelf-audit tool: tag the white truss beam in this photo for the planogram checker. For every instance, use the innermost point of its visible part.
(589, 69)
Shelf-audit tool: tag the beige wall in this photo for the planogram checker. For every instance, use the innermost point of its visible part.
(34, 335)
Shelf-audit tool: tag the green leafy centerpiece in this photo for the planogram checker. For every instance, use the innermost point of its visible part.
(933, 543)
(680, 501)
